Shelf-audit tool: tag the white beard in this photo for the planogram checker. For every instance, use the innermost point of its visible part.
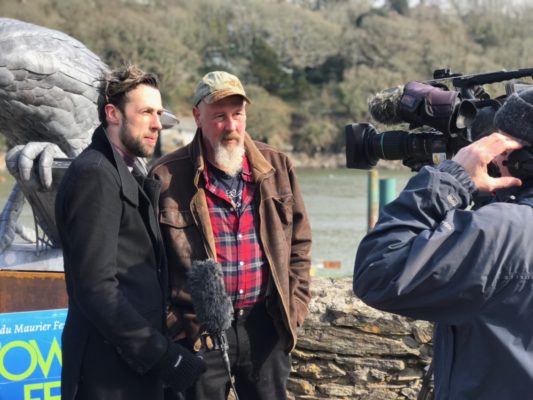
(229, 159)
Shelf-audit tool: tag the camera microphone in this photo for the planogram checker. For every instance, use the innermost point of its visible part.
(384, 107)
(416, 103)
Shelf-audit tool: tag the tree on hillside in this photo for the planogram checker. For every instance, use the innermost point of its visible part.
(315, 136)
(400, 6)
(265, 67)
(268, 117)
(316, 60)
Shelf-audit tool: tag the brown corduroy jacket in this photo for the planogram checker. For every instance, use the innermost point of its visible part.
(284, 228)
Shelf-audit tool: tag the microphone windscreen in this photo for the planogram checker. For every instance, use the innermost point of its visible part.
(384, 107)
(211, 303)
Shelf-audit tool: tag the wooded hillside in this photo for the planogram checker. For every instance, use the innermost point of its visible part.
(309, 65)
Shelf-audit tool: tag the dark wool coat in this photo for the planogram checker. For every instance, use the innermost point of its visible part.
(115, 273)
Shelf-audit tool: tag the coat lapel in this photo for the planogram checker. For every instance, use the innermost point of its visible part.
(133, 187)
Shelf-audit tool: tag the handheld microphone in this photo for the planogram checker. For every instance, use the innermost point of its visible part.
(212, 305)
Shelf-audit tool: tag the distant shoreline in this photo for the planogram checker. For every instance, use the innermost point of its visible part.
(338, 160)
(301, 160)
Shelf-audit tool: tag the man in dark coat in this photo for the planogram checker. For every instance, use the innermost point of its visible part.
(113, 342)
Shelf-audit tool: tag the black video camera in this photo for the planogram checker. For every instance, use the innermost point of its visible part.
(441, 121)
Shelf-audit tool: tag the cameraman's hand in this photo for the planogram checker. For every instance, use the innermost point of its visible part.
(475, 158)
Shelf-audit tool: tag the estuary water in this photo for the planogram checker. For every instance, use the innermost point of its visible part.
(336, 201)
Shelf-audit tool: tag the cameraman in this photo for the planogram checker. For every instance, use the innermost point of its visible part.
(470, 271)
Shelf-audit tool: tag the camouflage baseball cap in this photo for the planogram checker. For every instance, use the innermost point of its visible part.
(217, 85)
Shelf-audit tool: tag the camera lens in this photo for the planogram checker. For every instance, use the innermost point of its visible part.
(365, 146)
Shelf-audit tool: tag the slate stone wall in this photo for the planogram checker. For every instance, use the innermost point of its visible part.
(347, 350)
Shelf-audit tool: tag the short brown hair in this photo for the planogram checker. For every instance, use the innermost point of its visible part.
(117, 83)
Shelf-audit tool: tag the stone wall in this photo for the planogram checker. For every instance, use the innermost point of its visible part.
(347, 350)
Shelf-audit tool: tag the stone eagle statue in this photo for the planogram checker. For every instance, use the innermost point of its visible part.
(48, 100)
(48, 96)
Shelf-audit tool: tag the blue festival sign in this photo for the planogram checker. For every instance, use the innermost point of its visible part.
(30, 355)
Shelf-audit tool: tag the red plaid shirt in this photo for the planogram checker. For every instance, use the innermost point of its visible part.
(236, 231)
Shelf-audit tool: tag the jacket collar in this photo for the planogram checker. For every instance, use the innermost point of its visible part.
(128, 185)
(259, 165)
(525, 193)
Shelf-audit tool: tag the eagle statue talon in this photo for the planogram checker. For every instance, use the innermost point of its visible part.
(20, 161)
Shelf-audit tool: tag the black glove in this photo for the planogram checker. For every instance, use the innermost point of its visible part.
(179, 368)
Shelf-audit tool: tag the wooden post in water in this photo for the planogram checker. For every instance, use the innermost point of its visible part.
(373, 202)
(387, 191)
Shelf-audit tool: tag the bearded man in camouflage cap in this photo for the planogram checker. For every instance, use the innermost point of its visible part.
(234, 200)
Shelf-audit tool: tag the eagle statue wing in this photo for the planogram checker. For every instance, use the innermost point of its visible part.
(48, 95)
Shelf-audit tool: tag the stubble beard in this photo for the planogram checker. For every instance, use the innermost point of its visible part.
(133, 144)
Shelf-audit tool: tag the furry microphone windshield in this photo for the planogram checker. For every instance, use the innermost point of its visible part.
(384, 106)
(213, 306)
